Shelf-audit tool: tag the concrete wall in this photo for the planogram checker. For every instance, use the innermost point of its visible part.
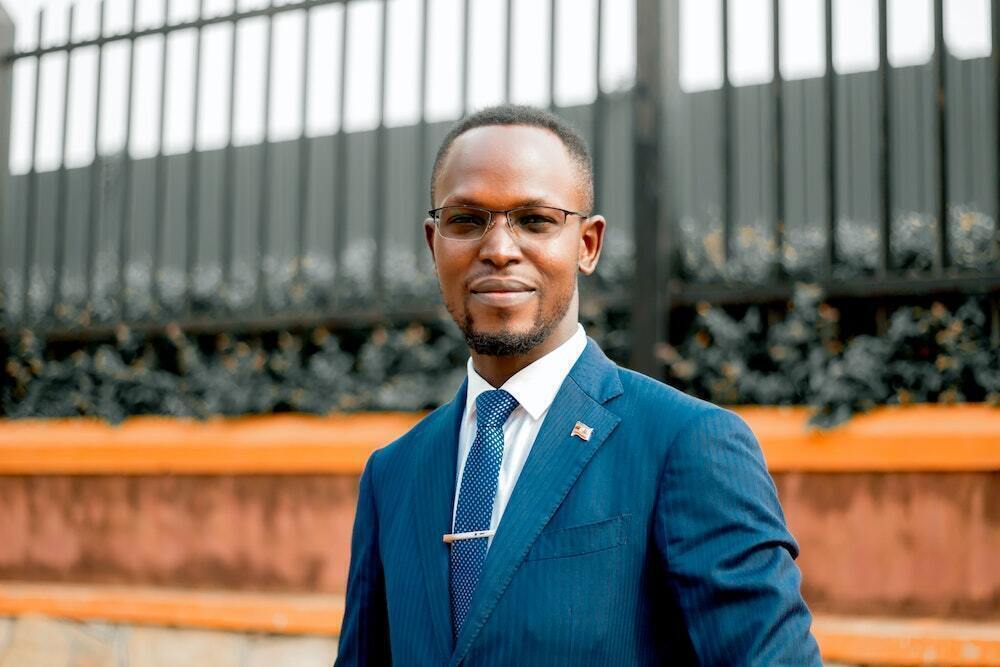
(897, 544)
(871, 543)
(235, 532)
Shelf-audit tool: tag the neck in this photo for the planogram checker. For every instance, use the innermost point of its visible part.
(497, 370)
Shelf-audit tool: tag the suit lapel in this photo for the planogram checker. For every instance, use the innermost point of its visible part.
(553, 466)
(432, 501)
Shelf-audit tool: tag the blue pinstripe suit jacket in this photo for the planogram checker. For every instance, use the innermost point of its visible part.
(658, 541)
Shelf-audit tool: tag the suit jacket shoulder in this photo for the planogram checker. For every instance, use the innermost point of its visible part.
(401, 453)
(660, 416)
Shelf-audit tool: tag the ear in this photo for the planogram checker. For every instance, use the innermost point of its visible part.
(430, 231)
(591, 242)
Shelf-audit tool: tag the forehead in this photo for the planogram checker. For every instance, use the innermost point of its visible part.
(501, 166)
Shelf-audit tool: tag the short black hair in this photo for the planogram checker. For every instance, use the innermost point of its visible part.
(515, 114)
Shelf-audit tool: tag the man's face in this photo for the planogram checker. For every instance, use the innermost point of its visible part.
(509, 293)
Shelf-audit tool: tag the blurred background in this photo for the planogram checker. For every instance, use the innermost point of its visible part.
(213, 208)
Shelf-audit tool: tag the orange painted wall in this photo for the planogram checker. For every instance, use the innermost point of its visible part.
(883, 543)
(896, 513)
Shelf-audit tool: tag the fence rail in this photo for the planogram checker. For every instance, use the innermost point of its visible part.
(327, 228)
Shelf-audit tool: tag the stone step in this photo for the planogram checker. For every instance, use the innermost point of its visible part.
(100, 619)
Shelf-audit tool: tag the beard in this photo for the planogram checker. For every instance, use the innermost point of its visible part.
(506, 343)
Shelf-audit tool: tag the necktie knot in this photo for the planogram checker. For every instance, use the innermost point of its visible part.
(493, 407)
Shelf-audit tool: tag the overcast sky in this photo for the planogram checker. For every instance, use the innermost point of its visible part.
(855, 48)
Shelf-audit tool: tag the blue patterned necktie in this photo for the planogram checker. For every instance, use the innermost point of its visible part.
(475, 499)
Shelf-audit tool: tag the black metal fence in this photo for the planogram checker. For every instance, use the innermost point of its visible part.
(725, 196)
(865, 147)
(318, 227)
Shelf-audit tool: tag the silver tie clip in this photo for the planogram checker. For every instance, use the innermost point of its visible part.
(454, 537)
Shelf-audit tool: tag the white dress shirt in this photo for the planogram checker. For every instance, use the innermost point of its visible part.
(535, 387)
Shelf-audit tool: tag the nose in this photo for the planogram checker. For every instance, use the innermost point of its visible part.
(499, 247)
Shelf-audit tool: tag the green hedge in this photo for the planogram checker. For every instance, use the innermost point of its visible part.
(927, 354)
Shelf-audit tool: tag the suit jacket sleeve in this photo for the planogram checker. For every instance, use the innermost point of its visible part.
(364, 633)
(728, 556)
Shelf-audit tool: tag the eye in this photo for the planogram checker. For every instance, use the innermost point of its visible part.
(464, 219)
(537, 222)
(459, 216)
(462, 223)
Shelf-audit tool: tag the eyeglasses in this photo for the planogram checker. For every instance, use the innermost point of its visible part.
(468, 223)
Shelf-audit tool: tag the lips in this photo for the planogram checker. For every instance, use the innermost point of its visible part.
(499, 285)
(501, 293)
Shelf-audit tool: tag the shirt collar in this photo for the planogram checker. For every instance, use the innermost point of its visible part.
(535, 386)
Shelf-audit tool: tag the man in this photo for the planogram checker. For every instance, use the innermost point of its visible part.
(560, 510)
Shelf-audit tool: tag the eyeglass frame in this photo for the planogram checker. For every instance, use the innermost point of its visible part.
(506, 215)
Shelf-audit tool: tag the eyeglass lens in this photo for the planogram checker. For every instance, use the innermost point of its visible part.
(459, 222)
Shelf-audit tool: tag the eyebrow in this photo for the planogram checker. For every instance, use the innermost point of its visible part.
(520, 204)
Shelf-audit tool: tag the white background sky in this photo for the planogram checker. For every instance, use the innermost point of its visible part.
(750, 61)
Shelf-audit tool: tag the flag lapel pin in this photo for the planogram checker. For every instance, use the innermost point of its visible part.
(581, 431)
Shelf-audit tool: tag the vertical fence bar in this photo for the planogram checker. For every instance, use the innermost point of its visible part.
(671, 103)
(728, 149)
(995, 55)
(600, 108)
(264, 179)
(941, 260)
(884, 143)
(884, 157)
(31, 217)
(420, 168)
(830, 85)
(6, 96)
(966, 89)
(553, 50)
(124, 235)
(778, 146)
(194, 177)
(466, 55)
(995, 323)
(508, 72)
(919, 111)
(804, 163)
(90, 268)
(380, 177)
(305, 176)
(850, 154)
(159, 196)
(229, 170)
(58, 310)
(650, 295)
(340, 186)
